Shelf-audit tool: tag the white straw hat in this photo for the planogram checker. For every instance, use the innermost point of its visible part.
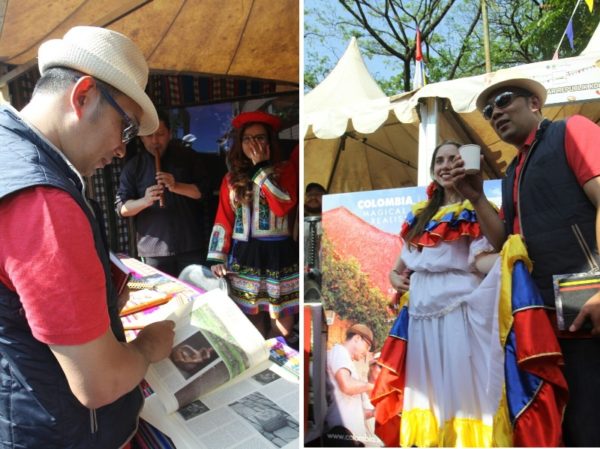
(109, 56)
(511, 78)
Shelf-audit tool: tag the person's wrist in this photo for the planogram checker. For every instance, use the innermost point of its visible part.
(258, 166)
(478, 201)
(141, 347)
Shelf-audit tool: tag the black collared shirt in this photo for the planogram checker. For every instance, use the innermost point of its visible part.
(178, 227)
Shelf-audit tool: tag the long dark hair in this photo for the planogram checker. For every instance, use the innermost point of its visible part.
(240, 166)
(436, 199)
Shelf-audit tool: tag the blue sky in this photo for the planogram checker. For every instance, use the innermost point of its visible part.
(336, 45)
(209, 123)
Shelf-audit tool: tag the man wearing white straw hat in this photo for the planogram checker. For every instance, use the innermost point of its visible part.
(68, 379)
(550, 195)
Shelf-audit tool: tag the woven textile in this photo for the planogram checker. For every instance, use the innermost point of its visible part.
(170, 91)
(104, 184)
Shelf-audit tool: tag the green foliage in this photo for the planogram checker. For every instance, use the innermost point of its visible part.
(545, 32)
(315, 70)
(346, 290)
(520, 32)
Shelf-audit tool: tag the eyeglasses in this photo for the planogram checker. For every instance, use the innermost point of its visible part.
(131, 128)
(502, 101)
(260, 138)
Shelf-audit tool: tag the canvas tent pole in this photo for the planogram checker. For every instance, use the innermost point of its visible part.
(341, 148)
(428, 135)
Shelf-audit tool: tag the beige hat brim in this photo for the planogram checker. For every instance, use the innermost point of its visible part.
(527, 84)
(64, 53)
(363, 331)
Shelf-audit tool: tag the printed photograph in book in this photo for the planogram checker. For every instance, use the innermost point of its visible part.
(268, 418)
(360, 245)
(221, 385)
(208, 356)
(194, 354)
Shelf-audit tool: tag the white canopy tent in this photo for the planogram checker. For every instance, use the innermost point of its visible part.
(352, 139)
(422, 118)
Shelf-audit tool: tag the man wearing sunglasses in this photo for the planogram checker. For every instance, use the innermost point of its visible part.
(551, 195)
(69, 379)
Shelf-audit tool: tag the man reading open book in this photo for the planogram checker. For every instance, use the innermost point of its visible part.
(69, 379)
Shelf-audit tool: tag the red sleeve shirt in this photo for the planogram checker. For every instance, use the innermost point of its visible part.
(582, 137)
(49, 258)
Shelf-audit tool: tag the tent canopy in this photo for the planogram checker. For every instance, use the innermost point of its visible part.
(245, 38)
(352, 140)
(354, 158)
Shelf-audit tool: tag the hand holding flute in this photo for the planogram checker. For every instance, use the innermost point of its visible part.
(161, 198)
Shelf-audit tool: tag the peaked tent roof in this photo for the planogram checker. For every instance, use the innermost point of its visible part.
(352, 141)
(391, 161)
(349, 92)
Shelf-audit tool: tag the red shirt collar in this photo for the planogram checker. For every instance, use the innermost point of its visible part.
(529, 141)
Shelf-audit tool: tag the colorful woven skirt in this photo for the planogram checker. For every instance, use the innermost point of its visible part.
(265, 276)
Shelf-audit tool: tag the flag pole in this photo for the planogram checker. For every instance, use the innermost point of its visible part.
(565, 32)
(486, 37)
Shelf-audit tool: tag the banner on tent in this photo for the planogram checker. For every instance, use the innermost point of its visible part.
(569, 80)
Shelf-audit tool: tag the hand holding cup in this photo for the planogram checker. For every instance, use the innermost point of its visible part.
(470, 154)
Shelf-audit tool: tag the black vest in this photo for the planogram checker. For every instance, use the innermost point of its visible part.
(37, 407)
(552, 208)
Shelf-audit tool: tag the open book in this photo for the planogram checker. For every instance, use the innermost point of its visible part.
(218, 387)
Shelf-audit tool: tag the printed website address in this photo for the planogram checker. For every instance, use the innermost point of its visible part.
(364, 439)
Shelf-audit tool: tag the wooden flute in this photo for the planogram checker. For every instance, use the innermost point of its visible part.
(161, 200)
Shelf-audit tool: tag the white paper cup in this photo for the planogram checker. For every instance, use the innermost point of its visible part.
(470, 154)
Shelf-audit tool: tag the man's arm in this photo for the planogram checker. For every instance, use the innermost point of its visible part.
(62, 290)
(102, 370)
(180, 188)
(192, 182)
(135, 206)
(591, 308)
(350, 386)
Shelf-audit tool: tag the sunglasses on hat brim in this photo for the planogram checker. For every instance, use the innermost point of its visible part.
(502, 101)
